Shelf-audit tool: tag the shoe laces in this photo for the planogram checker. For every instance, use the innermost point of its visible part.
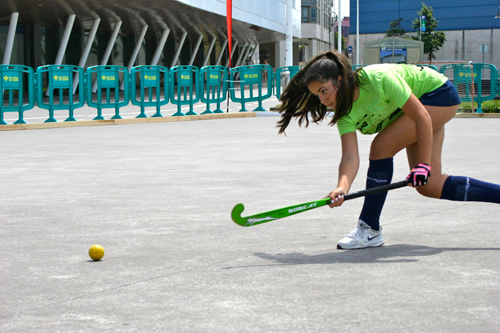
(355, 232)
(359, 230)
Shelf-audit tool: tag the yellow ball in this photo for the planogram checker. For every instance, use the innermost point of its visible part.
(96, 252)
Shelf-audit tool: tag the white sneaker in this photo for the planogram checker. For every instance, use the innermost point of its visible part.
(361, 237)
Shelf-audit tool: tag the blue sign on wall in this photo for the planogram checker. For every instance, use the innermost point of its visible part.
(399, 55)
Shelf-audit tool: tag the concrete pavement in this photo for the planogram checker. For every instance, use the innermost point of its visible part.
(158, 197)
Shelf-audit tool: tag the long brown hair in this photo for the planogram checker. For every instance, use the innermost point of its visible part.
(298, 101)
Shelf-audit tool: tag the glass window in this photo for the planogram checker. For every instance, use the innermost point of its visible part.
(305, 14)
(313, 14)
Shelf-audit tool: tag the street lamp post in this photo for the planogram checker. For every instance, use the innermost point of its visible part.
(334, 19)
(357, 32)
(339, 29)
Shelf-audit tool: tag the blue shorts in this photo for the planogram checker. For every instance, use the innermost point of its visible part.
(446, 95)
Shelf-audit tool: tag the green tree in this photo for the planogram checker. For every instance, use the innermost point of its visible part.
(396, 29)
(432, 39)
(336, 42)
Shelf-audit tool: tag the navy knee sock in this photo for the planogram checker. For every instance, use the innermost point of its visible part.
(458, 188)
(379, 173)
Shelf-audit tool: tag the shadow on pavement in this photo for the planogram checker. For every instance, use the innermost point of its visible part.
(398, 253)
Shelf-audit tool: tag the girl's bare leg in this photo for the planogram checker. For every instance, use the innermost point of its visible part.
(402, 134)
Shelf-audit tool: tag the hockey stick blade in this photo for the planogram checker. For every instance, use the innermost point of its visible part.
(280, 213)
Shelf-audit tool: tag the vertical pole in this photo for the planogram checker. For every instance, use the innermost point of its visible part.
(195, 50)
(10, 38)
(86, 50)
(339, 34)
(209, 51)
(357, 32)
(179, 48)
(222, 49)
(471, 65)
(289, 33)
(159, 48)
(393, 48)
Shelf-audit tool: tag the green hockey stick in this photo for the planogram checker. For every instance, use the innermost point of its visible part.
(280, 213)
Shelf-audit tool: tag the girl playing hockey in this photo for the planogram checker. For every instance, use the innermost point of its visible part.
(406, 107)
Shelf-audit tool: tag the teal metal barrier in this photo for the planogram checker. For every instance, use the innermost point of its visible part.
(213, 86)
(250, 76)
(273, 83)
(356, 67)
(460, 75)
(484, 72)
(13, 80)
(107, 89)
(498, 84)
(59, 82)
(185, 81)
(21, 87)
(283, 76)
(152, 84)
(430, 66)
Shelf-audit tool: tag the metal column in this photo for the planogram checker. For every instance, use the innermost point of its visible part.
(243, 50)
(159, 48)
(64, 43)
(232, 51)
(196, 48)
(357, 32)
(179, 47)
(137, 47)
(109, 48)
(111, 43)
(254, 50)
(10, 38)
(247, 52)
(65, 39)
(339, 32)
(88, 47)
(222, 49)
(209, 51)
(289, 33)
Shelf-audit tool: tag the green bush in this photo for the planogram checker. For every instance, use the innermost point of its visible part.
(487, 107)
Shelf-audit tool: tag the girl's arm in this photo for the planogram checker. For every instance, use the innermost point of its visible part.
(348, 168)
